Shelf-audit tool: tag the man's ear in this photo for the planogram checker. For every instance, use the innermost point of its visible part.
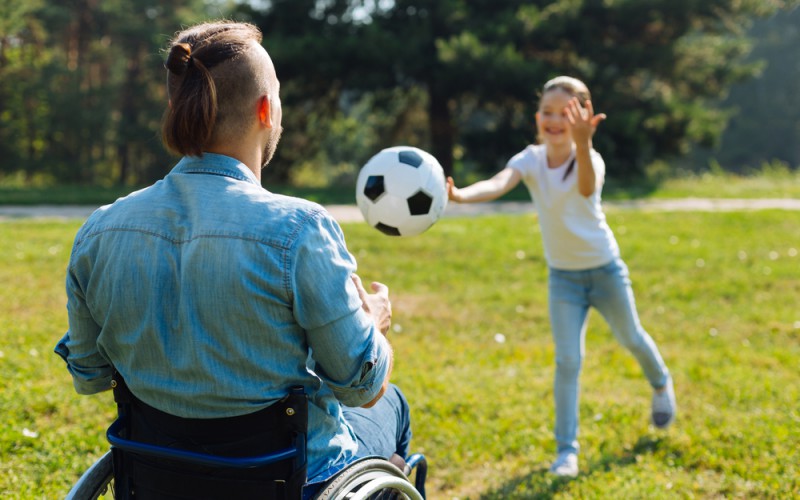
(264, 116)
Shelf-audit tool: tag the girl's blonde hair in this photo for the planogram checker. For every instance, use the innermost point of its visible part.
(571, 86)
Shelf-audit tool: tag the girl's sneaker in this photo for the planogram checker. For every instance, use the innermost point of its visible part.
(566, 465)
(664, 406)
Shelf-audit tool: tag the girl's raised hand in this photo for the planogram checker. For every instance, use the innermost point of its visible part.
(582, 121)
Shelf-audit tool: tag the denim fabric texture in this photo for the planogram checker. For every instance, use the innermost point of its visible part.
(385, 428)
(212, 296)
(382, 430)
(571, 294)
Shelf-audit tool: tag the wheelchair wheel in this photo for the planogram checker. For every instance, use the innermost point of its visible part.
(368, 479)
(96, 482)
(371, 479)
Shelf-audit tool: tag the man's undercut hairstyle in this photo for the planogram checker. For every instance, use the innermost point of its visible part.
(214, 78)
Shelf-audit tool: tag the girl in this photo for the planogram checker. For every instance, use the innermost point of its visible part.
(565, 176)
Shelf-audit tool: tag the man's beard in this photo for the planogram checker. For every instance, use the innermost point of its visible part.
(271, 146)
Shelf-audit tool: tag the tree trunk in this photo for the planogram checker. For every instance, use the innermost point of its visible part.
(441, 124)
(128, 110)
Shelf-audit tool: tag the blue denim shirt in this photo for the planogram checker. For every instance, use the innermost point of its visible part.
(212, 296)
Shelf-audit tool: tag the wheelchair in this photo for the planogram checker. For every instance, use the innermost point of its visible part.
(163, 463)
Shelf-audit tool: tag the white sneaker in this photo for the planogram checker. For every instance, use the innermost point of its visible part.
(566, 465)
(664, 407)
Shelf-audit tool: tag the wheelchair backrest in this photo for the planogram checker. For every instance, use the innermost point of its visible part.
(158, 455)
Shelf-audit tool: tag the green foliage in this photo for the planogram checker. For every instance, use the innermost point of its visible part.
(765, 123)
(82, 88)
(657, 68)
(81, 83)
(716, 290)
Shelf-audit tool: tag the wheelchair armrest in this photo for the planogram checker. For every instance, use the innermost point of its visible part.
(113, 435)
(420, 463)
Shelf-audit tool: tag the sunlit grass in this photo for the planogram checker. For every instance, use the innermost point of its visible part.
(780, 185)
(770, 182)
(718, 292)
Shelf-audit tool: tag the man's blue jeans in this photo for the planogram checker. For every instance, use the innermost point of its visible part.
(384, 429)
(571, 294)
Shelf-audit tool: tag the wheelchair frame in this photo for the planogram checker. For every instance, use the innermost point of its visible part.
(358, 481)
(363, 479)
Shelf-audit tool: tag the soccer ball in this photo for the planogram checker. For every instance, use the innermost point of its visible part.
(401, 191)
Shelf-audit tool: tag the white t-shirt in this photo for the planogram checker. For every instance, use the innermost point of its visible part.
(575, 233)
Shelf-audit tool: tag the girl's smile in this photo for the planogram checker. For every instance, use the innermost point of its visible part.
(551, 119)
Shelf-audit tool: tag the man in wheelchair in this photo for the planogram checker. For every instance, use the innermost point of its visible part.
(212, 297)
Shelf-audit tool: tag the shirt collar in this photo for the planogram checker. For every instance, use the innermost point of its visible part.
(216, 164)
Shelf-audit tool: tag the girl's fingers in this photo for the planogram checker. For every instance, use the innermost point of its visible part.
(597, 119)
(573, 111)
(576, 112)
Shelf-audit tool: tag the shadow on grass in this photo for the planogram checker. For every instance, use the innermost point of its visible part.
(538, 484)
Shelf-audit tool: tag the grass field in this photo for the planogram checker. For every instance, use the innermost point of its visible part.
(771, 182)
(718, 291)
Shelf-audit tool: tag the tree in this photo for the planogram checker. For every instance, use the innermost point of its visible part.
(83, 87)
(22, 55)
(655, 66)
(765, 117)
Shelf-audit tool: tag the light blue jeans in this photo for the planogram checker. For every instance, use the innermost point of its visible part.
(572, 293)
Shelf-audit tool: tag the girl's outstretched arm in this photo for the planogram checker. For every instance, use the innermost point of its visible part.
(583, 124)
(486, 190)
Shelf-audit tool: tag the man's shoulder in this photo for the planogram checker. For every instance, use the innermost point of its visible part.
(266, 204)
(119, 209)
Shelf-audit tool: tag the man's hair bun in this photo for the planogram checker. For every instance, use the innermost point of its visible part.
(179, 59)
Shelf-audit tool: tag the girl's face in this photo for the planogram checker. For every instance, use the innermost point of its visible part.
(551, 119)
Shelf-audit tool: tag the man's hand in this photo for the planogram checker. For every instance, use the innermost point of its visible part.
(376, 304)
(379, 307)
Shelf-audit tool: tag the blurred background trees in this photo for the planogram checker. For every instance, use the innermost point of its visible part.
(684, 82)
(81, 88)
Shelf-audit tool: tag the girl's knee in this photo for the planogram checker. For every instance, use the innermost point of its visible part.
(569, 365)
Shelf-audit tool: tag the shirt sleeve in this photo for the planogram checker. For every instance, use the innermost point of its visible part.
(91, 372)
(518, 162)
(351, 355)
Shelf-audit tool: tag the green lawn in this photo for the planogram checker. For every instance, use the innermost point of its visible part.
(718, 292)
(770, 183)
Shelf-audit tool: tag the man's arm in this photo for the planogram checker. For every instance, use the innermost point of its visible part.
(379, 307)
(91, 373)
(352, 356)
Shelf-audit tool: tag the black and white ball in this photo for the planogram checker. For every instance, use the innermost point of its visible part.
(401, 191)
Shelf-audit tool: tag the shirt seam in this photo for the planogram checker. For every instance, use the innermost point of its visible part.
(180, 241)
(290, 243)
